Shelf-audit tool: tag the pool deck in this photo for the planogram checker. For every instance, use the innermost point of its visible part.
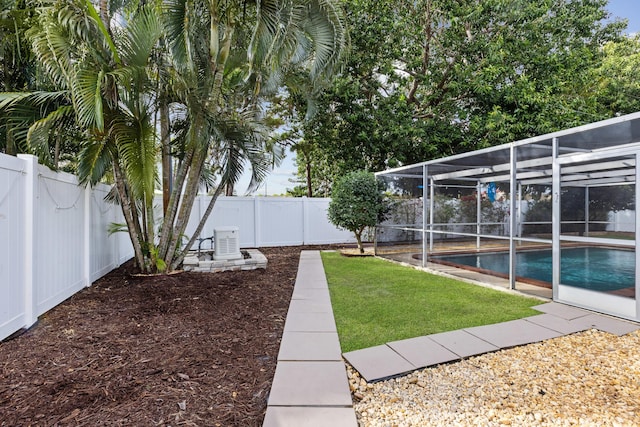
(475, 277)
(310, 387)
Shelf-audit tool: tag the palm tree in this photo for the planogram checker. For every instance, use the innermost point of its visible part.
(103, 85)
(227, 56)
(217, 62)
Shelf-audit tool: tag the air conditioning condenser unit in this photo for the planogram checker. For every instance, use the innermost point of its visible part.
(226, 243)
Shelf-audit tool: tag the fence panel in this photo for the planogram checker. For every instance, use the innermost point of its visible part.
(623, 221)
(124, 248)
(53, 239)
(236, 211)
(60, 245)
(12, 245)
(318, 229)
(274, 221)
(280, 221)
(104, 248)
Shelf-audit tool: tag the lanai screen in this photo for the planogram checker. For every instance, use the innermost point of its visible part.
(574, 187)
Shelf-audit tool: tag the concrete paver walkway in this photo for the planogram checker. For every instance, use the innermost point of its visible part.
(399, 357)
(310, 387)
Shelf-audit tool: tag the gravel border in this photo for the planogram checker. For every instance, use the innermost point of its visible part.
(590, 378)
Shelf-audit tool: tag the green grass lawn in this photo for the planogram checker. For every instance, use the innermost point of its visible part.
(375, 302)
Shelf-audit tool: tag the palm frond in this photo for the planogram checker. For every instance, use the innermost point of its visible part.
(39, 132)
(141, 35)
(52, 48)
(39, 98)
(290, 34)
(326, 27)
(242, 142)
(87, 98)
(20, 110)
(208, 177)
(103, 30)
(117, 227)
(136, 146)
(94, 161)
(178, 29)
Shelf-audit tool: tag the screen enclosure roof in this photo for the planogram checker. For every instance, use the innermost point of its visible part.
(595, 154)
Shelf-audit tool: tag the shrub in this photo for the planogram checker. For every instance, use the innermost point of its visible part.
(357, 202)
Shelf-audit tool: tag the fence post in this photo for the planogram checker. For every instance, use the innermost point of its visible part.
(256, 220)
(115, 239)
(305, 219)
(86, 238)
(30, 200)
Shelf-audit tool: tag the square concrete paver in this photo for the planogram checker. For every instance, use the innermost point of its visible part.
(310, 322)
(376, 363)
(278, 416)
(310, 384)
(607, 324)
(309, 254)
(463, 343)
(309, 306)
(308, 346)
(313, 266)
(561, 310)
(556, 323)
(317, 295)
(423, 351)
(515, 332)
(311, 283)
(310, 268)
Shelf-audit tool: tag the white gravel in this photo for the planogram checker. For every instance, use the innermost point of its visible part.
(586, 379)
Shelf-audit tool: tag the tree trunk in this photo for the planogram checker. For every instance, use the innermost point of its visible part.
(165, 139)
(359, 239)
(125, 204)
(176, 262)
(221, 61)
(150, 232)
(104, 14)
(309, 187)
(10, 148)
(190, 193)
(166, 232)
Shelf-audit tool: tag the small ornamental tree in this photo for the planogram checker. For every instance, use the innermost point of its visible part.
(357, 202)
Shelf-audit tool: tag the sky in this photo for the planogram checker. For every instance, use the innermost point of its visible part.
(629, 9)
(278, 180)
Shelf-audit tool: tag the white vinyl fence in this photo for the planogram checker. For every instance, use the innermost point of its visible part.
(624, 221)
(271, 221)
(54, 239)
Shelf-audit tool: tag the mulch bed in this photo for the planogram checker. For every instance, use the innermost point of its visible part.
(194, 349)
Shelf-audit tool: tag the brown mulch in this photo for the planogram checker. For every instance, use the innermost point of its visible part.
(190, 349)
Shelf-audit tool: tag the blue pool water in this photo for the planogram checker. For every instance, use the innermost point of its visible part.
(595, 268)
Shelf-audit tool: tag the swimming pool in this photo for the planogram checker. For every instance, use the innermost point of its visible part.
(594, 268)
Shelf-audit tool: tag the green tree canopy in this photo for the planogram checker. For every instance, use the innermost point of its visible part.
(617, 86)
(431, 78)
